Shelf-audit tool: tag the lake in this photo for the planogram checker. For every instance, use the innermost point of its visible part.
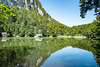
(49, 52)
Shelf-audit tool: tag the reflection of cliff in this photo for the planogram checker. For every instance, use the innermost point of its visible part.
(19, 53)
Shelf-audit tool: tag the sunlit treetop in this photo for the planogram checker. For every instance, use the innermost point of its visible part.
(4, 13)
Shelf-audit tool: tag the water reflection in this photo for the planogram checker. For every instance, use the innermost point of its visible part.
(70, 57)
(27, 52)
(4, 39)
(38, 39)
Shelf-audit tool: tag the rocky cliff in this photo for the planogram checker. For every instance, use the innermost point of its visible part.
(28, 4)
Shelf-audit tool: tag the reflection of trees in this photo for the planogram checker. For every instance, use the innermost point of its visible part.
(12, 53)
(50, 45)
(96, 52)
(16, 51)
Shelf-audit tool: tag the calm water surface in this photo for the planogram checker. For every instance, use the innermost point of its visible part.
(49, 52)
(71, 57)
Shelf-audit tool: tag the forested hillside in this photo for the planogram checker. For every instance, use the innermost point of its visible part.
(30, 23)
(31, 19)
(91, 30)
(28, 5)
(35, 20)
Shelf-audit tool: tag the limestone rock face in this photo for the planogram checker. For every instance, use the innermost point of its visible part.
(28, 4)
(19, 3)
(40, 11)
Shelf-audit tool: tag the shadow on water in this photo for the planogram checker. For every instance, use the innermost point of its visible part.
(27, 52)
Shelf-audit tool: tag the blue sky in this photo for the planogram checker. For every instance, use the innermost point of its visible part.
(66, 12)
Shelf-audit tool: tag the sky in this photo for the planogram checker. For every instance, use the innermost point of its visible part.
(67, 12)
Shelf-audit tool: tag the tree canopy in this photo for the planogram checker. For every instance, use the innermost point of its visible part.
(4, 13)
(87, 5)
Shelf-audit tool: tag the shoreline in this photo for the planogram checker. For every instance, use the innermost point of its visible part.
(71, 36)
(52, 37)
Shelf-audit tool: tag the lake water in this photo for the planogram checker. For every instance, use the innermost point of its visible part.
(49, 52)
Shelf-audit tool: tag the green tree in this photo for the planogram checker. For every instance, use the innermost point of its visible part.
(4, 13)
(96, 30)
(87, 5)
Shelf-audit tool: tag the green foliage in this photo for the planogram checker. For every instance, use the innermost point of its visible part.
(91, 30)
(29, 23)
(95, 33)
(4, 13)
(87, 5)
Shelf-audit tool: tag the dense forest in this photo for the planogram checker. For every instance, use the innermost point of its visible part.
(28, 23)
(91, 30)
